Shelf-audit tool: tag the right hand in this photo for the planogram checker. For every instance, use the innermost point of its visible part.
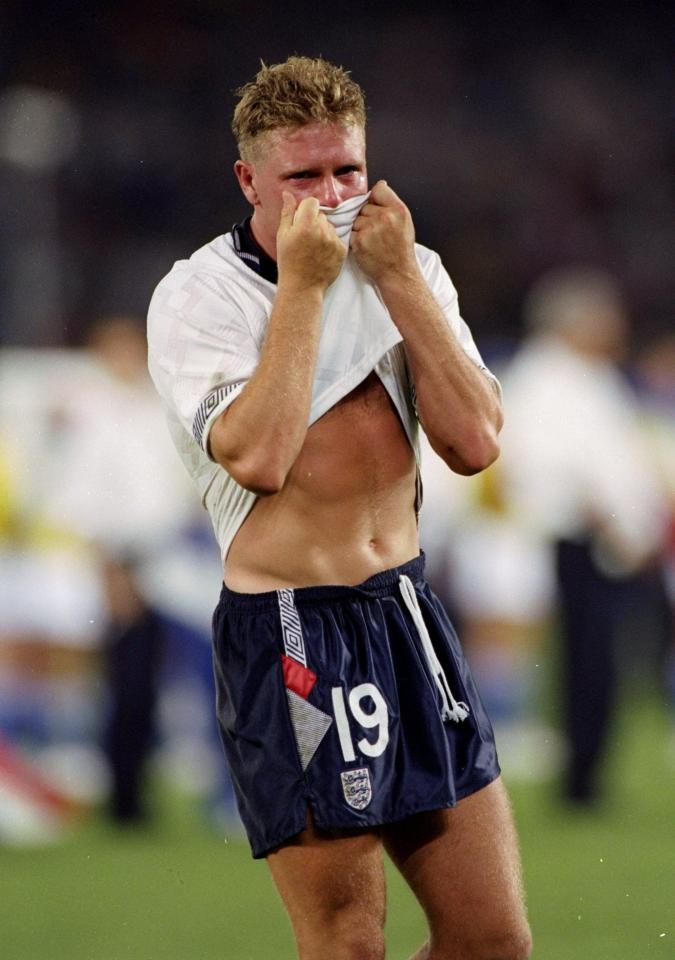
(309, 252)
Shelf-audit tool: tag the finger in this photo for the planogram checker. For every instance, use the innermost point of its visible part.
(326, 222)
(382, 194)
(287, 209)
(308, 210)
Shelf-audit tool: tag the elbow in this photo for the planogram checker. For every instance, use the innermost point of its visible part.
(471, 443)
(472, 454)
(479, 447)
(264, 478)
(251, 467)
(479, 456)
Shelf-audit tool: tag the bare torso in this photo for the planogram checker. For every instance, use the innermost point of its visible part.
(347, 509)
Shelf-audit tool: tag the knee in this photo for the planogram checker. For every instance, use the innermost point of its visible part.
(359, 938)
(360, 947)
(347, 934)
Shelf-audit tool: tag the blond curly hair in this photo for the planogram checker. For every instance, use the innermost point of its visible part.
(301, 90)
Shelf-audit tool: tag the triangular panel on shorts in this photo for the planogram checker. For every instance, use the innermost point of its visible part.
(309, 724)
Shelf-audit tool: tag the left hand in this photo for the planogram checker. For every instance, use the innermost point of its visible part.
(383, 236)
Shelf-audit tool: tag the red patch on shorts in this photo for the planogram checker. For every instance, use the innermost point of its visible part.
(297, 678)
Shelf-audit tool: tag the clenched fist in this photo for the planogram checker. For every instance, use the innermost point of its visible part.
(383, 236)
(309, 252)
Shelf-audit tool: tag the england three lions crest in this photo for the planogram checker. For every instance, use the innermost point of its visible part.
(356, 787)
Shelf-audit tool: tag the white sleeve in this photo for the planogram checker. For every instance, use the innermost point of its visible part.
(201, 350)
(445, 295)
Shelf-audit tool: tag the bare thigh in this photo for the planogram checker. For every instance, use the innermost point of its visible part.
(463, 866)
(333, 887)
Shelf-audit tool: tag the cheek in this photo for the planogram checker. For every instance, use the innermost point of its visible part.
(301, 190)
(270, 204)
(357, 186)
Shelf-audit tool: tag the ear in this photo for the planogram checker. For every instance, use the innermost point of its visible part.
(245, 174)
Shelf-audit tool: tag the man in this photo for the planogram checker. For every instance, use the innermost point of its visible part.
(292, 369)
(604, 525)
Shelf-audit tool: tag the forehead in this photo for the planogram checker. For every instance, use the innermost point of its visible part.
(315, 144)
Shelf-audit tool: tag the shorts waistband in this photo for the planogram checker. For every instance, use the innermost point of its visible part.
(380, 584)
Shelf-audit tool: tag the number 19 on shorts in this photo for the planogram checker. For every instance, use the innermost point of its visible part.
(375, 718)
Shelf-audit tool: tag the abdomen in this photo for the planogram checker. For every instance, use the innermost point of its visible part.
(347, 509)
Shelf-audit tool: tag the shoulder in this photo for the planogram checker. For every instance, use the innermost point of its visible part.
(213, 267)
(211, 290)
(436, 276)
(425, 255)
(431, 264)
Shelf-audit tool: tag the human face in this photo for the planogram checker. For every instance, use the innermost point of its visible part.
(322, 160)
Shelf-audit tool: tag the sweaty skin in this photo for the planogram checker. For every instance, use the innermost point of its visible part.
(337, 500)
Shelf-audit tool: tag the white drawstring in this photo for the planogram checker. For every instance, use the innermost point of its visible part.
(452, 709)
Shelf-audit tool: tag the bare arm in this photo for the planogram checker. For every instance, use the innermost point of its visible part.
(258, 438)
(458, 405)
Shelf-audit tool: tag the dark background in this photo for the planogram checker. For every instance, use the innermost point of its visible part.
(521, 135)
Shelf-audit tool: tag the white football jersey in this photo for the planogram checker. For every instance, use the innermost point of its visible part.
(206, 327)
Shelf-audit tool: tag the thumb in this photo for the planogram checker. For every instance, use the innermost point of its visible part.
(382, 193)
(287, 210)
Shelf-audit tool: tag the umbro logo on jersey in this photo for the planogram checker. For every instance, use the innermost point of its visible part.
(210, 402)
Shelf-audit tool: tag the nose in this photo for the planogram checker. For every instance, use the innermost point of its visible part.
(328, 194)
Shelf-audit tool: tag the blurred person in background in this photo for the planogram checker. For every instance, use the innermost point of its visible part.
(105, 490)
(575, 463)
(497, 576)
(654, 370)
(291, 398)
(48, 652)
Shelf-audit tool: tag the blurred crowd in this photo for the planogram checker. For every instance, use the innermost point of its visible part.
(108, 577)
(522, 136)
(570, 536)
(532, 147)
(558, 564)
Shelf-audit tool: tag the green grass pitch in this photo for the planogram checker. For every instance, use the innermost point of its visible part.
(601, 885)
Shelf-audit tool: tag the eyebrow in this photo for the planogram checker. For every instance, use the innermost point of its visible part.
(315, 171)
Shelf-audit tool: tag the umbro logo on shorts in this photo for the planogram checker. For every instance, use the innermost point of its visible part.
(291, 627)
(356, 787)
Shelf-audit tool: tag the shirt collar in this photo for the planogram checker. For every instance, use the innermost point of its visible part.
(249, 250)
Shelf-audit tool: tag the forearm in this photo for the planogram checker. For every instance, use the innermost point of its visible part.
(458, 405)
(258, 439)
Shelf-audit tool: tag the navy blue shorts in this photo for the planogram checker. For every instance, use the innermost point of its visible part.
(338, 699)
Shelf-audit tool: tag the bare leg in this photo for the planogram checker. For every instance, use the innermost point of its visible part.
(463, 866)
(333, 887)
